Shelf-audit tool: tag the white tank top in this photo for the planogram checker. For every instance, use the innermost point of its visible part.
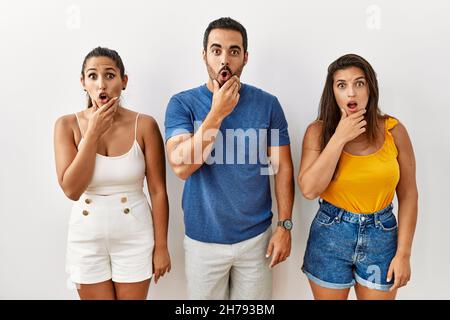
(119, 174)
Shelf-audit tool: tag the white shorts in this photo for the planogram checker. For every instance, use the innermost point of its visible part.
(237, 271)
(110, 237)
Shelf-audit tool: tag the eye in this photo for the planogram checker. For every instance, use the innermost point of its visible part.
(360, 84)
(234, 52)
(92, 76)
(110, 75)
(341, 85)
(216, 52)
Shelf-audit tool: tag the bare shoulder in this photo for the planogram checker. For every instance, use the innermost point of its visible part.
(66, 122)
(401, 138)
(148, 123)
(312, 138)
(314, 128)
(399, 131)
(314, 131)
(149, 129)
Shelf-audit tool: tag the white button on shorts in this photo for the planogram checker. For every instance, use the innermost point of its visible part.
(110, 237)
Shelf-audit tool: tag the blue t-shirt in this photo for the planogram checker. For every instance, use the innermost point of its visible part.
(228, 199)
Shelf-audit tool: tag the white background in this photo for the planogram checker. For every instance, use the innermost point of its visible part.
(291, 44)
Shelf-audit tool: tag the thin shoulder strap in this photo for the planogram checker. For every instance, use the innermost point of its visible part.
(79, 126)
(135, 127)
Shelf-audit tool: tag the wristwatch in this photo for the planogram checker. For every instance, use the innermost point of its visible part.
(287, 224)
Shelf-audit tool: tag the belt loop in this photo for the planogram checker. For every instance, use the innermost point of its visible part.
(376, 218)
(320, 201)
(339, 216)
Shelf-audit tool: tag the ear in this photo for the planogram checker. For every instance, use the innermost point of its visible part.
(82, 83)
(245, 58)
(124, 81)
(204, 55)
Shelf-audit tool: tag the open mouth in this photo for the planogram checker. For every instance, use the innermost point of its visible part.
(352, 106)
(225, 75)
(103, 97)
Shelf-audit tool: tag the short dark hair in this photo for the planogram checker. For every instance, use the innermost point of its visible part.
(225, 23)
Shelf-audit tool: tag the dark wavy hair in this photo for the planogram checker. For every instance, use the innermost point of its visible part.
(103, 52)
(329, 111)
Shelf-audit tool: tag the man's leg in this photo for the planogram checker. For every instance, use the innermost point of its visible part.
(207, 268)
(251, 278)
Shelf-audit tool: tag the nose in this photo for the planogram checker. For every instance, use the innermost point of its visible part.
(351, 91)
(101, 83)
(225, 59)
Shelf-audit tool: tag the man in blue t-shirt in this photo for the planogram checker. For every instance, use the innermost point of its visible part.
(226, 139)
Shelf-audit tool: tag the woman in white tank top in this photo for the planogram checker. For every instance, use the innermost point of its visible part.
(116, 240)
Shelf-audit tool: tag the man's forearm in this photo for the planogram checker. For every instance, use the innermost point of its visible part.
(284, 192)
(193, 152)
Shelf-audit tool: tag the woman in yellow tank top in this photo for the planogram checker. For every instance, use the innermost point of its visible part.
(356, 159)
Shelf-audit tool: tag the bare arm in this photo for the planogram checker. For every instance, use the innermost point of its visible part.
(407, 195)
(281, 161)
(156, 182)
(280, 244)
(74, 167)
(317, 168)
(188, 152)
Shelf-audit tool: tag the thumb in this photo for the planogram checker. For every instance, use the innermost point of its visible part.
(94, 104)
(215, 86)
(269, 250)
(343, 113)
(390, 273)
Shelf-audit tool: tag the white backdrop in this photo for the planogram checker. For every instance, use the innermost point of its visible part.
(291, 43)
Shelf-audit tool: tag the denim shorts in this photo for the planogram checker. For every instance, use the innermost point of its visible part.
(344, 248)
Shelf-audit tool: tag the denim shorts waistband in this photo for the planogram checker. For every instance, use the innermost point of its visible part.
(352, 217)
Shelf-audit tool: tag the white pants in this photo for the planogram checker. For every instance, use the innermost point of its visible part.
(110, 237)
(237, 271)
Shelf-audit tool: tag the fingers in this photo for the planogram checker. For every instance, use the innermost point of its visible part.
(358, 114)
(235, 88)
(160, 272)
(343, 113)
(401, 280)
(109, 104)
(396, 285)
(157, 275)
(275, 259)
(269, 249)
(111, 109)
(390, 273)
(229, 83)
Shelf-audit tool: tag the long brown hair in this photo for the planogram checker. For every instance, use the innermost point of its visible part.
(329, 111)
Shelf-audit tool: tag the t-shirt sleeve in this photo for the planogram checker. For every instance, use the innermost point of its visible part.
(278, 134)
(178, 119)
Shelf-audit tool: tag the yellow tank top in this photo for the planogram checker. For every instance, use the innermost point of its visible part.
(366, 184)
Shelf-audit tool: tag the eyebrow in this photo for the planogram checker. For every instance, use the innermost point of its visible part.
(359, 78)
(231, 47)
(109, 68)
